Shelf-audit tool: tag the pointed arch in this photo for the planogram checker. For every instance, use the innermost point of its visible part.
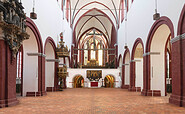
(124, 85)
(133, 65)
(147, 61)
(41, 59)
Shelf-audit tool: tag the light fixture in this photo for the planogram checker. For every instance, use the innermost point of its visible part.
(156, 16)
(33, 15)
(126, 5)
(125, 47)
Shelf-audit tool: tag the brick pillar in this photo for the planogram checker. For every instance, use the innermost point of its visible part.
(2, 72)
(182, 67)
(132, 77)
(116, 57)
(10, 86)
(146, 75)
(56, 80)
(178, 63)
(41, 76)
(72, 58)
(43, 91)
(76, 56)
(97, 55)
(64, 58)
(89, 53)
(82, 57)
(65, 83)
(177, 83)
(8, 69)
(123, 78)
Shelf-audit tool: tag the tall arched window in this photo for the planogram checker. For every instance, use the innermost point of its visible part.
(122, 10)
(67, 10)
(62, 4)
(100, 56)
(19, 64)
(93, 53)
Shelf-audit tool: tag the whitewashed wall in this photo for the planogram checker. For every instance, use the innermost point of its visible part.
(139, 72)
(30, 65)
(49, 66)
(127, 69)
(50, 21)
(82, 72)
(140, 19)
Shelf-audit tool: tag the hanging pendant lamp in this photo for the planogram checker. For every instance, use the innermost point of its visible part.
(33, 15)
(156, 16)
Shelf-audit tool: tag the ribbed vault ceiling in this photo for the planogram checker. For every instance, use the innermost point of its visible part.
(100, 14)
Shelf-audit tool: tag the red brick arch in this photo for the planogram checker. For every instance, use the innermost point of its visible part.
(120, 57)
(41, 59)
(51, 41)
(123, 69)
(132, 65)
(146, 59)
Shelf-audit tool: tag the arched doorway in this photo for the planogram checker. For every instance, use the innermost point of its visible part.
(156, 50)
(136, 73)
(109, 81)
(120, 62)
(159, 71)
(50, 65)
(126, 70)
(30, 72)
(78, 82)
(33, 65)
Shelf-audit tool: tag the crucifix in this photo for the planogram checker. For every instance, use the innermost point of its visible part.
(94, 33)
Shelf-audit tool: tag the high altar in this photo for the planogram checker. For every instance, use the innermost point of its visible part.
(93, 63)
(94, 77)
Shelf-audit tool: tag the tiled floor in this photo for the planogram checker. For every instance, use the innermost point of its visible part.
(93, 101)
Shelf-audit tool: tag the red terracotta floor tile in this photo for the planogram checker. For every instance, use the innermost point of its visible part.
(93, 101)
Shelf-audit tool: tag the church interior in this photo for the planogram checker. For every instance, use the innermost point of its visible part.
(92, 56)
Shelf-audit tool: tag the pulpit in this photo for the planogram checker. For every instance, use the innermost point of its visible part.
(62, 52)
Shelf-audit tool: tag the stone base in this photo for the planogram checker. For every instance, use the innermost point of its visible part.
(144, 92)
(149, 93)
(175, 99)
(8, 102)
(51, 89)
(125, 86)
(2, 103)
(33, 94)
(134, 89)
(44, 93)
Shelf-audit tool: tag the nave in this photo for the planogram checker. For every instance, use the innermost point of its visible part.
(127, 45)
